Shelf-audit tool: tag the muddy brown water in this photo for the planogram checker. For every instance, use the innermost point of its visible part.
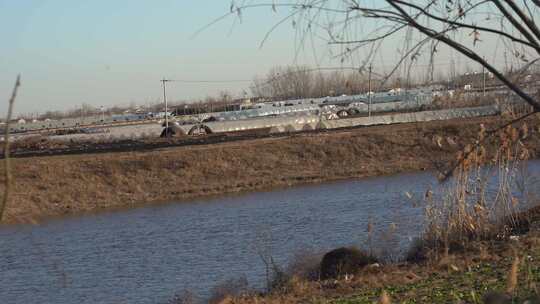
(146, 255)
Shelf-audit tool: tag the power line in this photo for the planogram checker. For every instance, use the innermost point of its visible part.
(207, 81)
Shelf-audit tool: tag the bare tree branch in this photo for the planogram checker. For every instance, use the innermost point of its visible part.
(467, 52)
(7, 169)
(517, 31)
(473, 27)
(515, 22)
(526, 20)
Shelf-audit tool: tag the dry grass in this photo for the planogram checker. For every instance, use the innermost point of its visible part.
(81, 183)
(385, 298)
(233, 288)
(461, 100)
(466, 231)
(463, 277)
(466, 212)
(512, 279)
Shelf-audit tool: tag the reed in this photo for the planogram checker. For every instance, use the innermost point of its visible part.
(385, 298)
(466, 212)
(512, 278)
(7, 170)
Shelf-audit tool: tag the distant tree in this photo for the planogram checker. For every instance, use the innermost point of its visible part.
(303, 81)
(224, 97)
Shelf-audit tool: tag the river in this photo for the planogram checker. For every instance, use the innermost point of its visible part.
(148, 254)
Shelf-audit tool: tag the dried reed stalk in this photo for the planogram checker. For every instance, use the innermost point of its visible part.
(512, 279)
(385, 298)
(7, 169)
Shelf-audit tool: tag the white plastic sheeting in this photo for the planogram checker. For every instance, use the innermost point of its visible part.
(95, 120)
(119, 132)
(311, 122)
(412, 117)
(297, 122)
(381, 102)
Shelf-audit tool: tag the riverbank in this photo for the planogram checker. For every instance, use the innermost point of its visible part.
(75, 184)
(492, 271)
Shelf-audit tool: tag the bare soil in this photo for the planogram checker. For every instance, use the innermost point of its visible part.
(73, 184)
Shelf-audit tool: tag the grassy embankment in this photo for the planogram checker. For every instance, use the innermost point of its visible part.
(482, 270)
(475, 248)
(59, 185)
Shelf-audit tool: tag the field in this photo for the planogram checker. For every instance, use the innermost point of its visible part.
(73, 184)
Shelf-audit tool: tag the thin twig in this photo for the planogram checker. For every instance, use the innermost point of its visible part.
(7, 171)
(489, 134)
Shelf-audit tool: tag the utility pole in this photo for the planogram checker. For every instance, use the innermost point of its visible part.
(484, 77)
(166, 107)
(82, 114)
(369, 91)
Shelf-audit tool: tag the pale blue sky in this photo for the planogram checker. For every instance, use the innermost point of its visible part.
(115, 52)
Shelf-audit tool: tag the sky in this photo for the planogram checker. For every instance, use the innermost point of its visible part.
(115, 52)
(107, 53)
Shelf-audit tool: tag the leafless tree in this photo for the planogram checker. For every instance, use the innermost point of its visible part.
(361, 31)
(302, 81)
(284, 82)
(426, 27)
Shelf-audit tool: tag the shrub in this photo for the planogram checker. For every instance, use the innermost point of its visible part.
(343, 261)
(418, 251)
